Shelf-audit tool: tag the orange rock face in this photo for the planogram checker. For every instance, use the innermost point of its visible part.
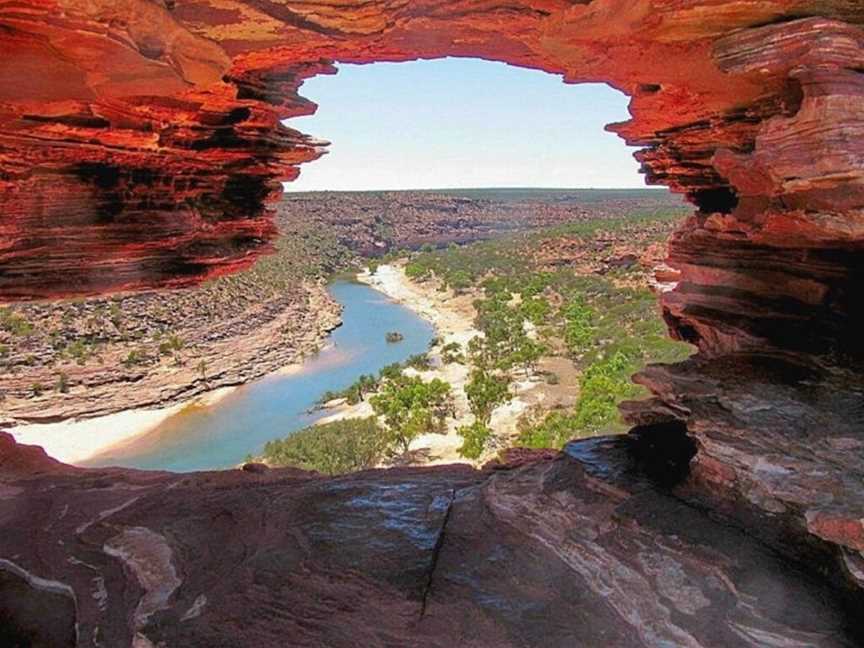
(140, 141)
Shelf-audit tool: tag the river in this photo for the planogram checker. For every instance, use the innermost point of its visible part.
(224, 434)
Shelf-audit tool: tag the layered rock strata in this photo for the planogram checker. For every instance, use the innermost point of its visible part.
(140, 142)
(139, 145)
(545, 549)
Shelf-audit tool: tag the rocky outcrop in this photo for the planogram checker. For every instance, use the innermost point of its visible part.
(139, 144)
(141, 141)
(550, 549)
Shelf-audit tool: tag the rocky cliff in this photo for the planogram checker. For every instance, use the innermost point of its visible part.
(140, 143)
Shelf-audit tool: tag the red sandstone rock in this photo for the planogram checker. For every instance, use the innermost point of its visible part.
(139, 144)
(558, 550)
(141, 140)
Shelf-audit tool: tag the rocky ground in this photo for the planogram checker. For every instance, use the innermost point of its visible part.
(581, 548)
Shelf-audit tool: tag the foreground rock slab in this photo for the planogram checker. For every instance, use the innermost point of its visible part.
(549, 549)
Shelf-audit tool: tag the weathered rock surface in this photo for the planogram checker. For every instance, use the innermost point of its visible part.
(140, 141)
(778, 447)
(577, 549)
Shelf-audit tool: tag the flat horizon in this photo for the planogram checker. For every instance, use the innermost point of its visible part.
(479, 188)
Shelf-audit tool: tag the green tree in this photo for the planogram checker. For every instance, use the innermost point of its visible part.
(578, 328)
(526, 353)
(485, 392)
(411, 407)
(474, 439)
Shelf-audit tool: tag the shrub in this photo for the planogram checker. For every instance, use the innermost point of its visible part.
(331, 448)
(474, 439)
(485, 392)
(419, 361)
(451, 353)
(535, 309)
(391, 372)
(355, 392)
(14, 323)
(173, 344)
(135, 358)
(79, 351)
(394, 336)
(415, 270)
(553, 431)
(578, 330)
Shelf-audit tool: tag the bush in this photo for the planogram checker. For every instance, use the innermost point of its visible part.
(485, 392)
(391, 372)
(451, 353)
(553, 431)
(14, 323)
(419, 361)
(578, 329)
(355, 392)
(474, 439)
(535, 309)
(394, 336)
(173, 344)
(79, 351)
(331, 448)
(134, 358)
(415, 270)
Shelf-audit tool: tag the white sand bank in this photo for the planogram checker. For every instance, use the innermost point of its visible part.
(76, 440)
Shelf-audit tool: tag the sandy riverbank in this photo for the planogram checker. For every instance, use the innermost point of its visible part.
(75, 441)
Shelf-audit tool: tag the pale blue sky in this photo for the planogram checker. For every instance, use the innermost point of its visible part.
(462, 123)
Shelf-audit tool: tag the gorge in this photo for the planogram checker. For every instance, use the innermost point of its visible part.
(140, 147)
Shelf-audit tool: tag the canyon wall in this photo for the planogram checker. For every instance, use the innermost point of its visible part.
(140, 144)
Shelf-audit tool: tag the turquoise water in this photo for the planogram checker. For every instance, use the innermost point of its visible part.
(222, 435)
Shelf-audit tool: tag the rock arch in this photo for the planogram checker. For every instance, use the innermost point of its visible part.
(140, 142)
